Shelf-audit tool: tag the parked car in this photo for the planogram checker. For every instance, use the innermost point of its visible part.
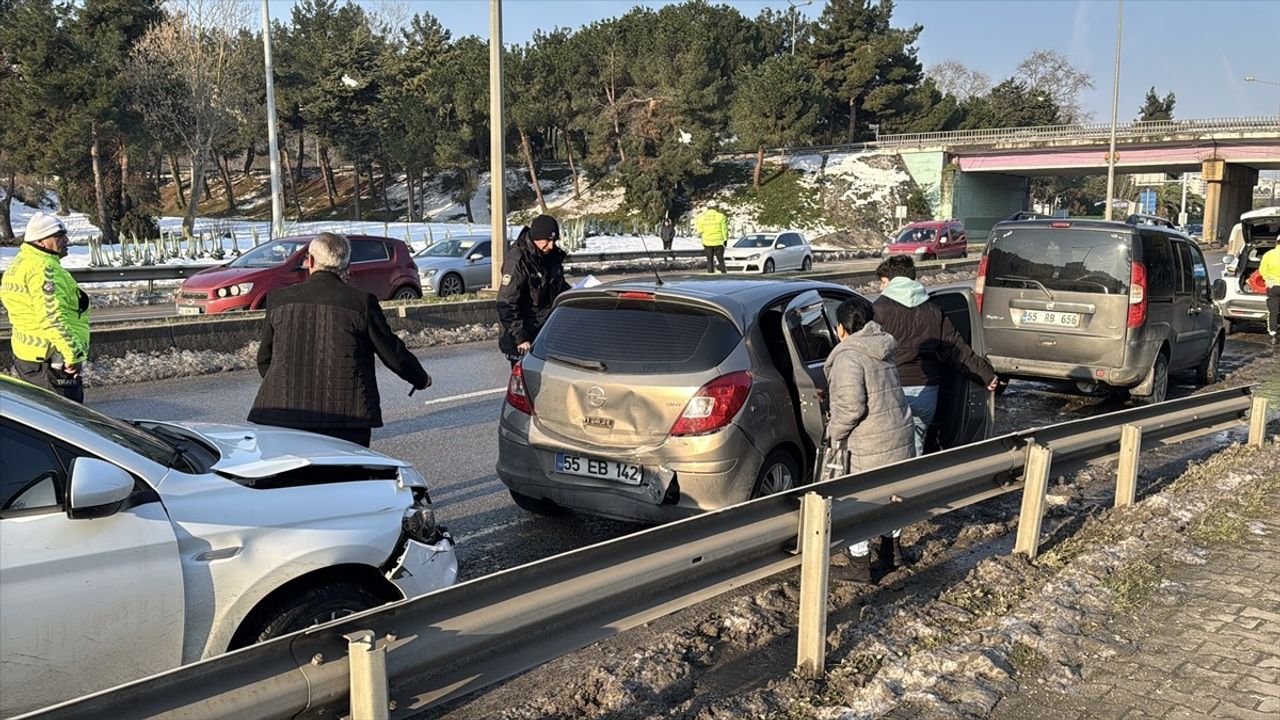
(1195, 231)
(1238, 303)
(129, 548)
(652, 402)
(930, 240)
(380, 265)
(456, 265)
(769, 252)
(1103, 304)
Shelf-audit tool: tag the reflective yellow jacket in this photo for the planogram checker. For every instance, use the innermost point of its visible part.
(1270, 267)
(48, 311)
(713, 226)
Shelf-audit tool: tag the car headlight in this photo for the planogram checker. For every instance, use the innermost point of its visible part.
(419, 523)
(430, 273)
(919, 251)
(753, 256)
(234, 290)
(411, 478)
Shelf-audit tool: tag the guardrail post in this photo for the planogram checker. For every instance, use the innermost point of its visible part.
(368, 667)
(1035, 485)
(1127, 468)
(1258, 422)
(815, 550)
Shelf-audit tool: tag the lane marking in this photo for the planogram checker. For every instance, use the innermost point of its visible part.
(466, 396)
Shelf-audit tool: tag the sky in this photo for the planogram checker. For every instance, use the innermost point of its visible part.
(1200, 50)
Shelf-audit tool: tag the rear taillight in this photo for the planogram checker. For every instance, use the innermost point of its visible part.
(980, 284)
(714, 405)
(1137, 295)
(517, 394)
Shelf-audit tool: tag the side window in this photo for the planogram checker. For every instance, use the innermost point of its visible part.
(31, 475)
(482, 248)
(814, 338)
(1200, 274)
(1183, 286)
(368, 251)
(1157, 255)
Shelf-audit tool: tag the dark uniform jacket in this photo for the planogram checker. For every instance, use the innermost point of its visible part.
(531, 281)
(316, 357)
(926, 338)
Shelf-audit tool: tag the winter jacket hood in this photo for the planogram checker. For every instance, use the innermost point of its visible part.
(871, 341)
(906, 292)
(869, 413)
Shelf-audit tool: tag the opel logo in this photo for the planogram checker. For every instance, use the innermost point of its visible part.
(595, 396)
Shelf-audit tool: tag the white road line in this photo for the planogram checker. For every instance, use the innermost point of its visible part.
(466, 396)
(487, 531)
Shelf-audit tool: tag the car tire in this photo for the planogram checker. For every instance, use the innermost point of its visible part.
(537, 506)
(406, 292)
(313, 606)
(1229, 326)
(1207, 372)
(768, 267)
(807, 265)
(929, 256)
(778, 473)
(451, 284)
(1160, 386)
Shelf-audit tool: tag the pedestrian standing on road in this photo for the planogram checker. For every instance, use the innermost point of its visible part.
(48, 311)
(713, 227)
(1270, 272)
(928, 344)
(532, 279)
(316, 356)
(668, 235)
(870, 424)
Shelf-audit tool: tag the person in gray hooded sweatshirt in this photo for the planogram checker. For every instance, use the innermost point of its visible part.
(870, 418)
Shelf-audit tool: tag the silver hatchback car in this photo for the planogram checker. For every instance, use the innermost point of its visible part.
(653, 402)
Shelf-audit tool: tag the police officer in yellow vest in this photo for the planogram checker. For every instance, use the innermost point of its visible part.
(713, 226)
(48, 311)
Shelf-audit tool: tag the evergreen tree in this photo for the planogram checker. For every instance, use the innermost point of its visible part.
(1011, 104)
(1156, 109)
(777, 105)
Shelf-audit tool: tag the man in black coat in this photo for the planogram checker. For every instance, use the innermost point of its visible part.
(532, 278)
(316, 356)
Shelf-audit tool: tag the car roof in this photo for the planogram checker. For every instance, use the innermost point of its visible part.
(1075, 224)
(1266, 212)
(741, 297)
(309, 238)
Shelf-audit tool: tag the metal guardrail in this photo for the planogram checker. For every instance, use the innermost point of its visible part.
(458, 640)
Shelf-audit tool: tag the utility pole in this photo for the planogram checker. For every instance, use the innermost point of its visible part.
(497, 147)
(1182, 212)
(794, 5)
(1115, 103)
(277, 196)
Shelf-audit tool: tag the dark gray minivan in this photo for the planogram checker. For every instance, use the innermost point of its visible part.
(1103, 304)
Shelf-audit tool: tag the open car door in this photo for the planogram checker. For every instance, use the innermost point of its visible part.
(966, 409)
(810, 334)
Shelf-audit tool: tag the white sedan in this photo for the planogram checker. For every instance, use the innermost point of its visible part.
(127, 549)
(769, 252)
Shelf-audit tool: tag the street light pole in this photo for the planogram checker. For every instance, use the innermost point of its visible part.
(1115, 103)
(794, 5)
(277, 196)
(497, 148)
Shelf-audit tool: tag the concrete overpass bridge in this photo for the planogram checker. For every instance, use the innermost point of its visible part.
(982, 176)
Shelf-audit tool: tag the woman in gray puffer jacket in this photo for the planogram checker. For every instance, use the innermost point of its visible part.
(870, 417)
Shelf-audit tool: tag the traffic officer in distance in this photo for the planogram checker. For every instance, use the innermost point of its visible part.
(48, 311)
(532, 279)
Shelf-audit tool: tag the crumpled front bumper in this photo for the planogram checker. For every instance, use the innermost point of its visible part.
(424, 567)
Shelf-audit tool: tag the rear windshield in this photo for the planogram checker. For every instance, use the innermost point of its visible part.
(1089, 261)
(636, 338)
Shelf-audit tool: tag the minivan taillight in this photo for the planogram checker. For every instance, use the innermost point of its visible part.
(980, 284)
(1137, 295)
(714, 405)
(517, 395)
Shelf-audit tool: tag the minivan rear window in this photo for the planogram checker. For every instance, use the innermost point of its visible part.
(1083, 260)
(636, 338)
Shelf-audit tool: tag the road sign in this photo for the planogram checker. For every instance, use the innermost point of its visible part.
(1147, 201)
(900, 212)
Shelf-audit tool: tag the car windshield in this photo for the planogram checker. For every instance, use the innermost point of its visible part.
(915, 235)
(1082, 260)
(122, 433)
(269, 254)
(621, 337)
(448, 249)
(755, 241)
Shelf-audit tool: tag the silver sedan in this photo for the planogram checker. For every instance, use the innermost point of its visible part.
(455, 265)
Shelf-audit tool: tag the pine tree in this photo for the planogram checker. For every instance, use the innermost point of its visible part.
(1156, 109)
(777, 105)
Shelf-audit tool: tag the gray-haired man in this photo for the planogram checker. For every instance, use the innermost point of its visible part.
(316, 356)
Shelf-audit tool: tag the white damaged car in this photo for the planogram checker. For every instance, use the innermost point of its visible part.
(127, 549)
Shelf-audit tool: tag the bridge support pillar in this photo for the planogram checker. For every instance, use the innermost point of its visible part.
(1228, 195)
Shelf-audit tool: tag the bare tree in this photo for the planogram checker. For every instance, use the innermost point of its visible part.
(181, 79)
(1050, 72)
(955, 78)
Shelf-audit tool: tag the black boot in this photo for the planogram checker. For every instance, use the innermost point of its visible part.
(857, 571)
(886, 553)
(899, 560)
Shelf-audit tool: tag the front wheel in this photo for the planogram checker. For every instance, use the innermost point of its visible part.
(807, 265)
(778, 473)
(1160, 383)
(1207, 372)
(768, 266)
(451, 284)
(311, 607)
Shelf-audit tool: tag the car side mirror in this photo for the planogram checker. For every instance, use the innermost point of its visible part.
(98, 489)
(944, 240)
(1219, 289)
(1228, 259)
(475, 256)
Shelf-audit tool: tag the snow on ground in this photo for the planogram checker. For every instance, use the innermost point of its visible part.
(866, 173)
